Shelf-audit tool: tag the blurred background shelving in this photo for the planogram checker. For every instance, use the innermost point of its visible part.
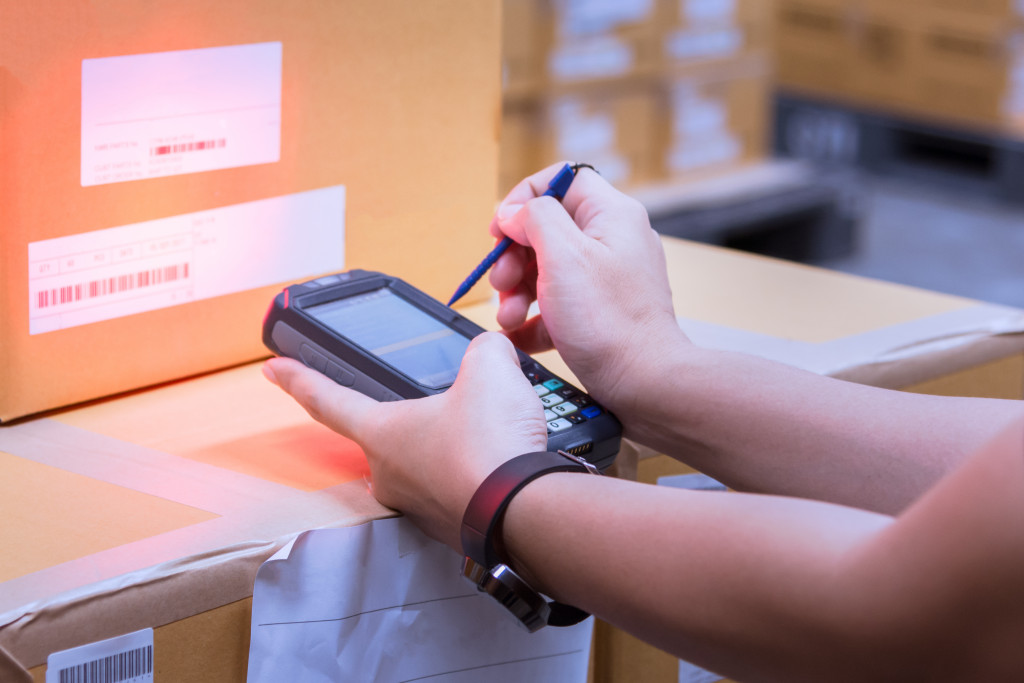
(879, 138)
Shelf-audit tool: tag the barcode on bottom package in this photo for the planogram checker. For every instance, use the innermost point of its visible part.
(118, 667)
(110, 285)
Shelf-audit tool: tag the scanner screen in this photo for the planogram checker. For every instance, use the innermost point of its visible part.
(400, 334)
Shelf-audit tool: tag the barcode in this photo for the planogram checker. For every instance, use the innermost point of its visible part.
(118, 667)
(160, 150)
(110, 285)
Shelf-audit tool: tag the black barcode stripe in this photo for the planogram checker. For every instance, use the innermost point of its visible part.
(114, 668)
(111, 285)
(160, 150)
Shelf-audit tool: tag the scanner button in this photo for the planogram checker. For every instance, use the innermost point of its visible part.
(559, 425)
(554, 384)
(591, 412)
(550, 400)
(550, 415)
(564, 409)
(312, 358)
(340, 374)
(541, 389)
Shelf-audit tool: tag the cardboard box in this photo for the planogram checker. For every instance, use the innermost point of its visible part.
(967, 69)
(998, 9)
(527, 32)
(205, 154)
(816, 48)
(611, 128)
(521, 131)
(714, 120)
(156, 509)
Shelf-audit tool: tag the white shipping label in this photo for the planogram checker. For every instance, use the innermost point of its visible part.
(696, 45)
(111, 273)
(592, 58)
(124, 659)
(693, 154)
(591, 17)
(170, 113)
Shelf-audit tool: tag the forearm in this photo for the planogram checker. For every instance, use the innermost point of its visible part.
(762, 426)
(743, 585)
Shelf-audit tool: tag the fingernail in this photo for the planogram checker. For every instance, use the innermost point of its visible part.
(506, 211)
(268, 372)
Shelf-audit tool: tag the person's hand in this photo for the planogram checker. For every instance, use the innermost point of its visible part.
(428, 456)
(597, 271)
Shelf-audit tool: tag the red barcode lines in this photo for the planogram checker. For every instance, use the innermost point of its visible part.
(116, 284)
(161, 150)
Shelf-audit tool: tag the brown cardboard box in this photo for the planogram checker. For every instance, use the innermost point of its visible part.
(885, 51)
(521, 131)
(1006, 10)
(714, 119)
(862, 53)
(816, 48)
(966, 69)
(156, 509)
(373, 133)
(608, 58)
(697, 13)
(610, 127)
(527, 31)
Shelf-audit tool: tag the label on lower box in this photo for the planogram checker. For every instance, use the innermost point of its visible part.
(171, 113)
(698, 45)
(116, 272)
(124, 659)
(600, 57)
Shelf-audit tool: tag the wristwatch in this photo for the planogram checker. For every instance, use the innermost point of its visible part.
(481, 538)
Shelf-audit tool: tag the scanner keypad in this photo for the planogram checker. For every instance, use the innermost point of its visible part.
(564, 405)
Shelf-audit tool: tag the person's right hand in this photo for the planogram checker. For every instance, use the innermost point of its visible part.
(597, 271)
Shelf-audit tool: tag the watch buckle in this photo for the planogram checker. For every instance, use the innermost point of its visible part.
(590, 467)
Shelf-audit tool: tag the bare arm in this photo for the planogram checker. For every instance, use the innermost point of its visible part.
(764, 427)
(772, 589)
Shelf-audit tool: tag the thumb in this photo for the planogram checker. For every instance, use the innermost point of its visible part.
(490, 354)
(341, 409)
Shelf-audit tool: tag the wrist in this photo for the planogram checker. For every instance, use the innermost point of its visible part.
(487, 563)
(642, 369)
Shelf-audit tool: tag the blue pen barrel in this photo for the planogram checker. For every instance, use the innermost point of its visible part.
(557, 188)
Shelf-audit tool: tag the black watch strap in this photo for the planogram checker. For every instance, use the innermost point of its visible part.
(481, 527)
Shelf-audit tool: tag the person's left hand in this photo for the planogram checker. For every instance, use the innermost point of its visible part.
(428, 456)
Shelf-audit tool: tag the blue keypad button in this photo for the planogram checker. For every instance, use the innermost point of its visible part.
(554, 384)
(590, 412)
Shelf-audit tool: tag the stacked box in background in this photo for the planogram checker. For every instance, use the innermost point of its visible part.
(955, 61)
(646, 91)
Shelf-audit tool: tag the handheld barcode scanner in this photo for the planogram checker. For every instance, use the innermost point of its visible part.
(388, 340)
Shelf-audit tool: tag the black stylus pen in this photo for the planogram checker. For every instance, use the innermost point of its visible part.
(557, 188)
